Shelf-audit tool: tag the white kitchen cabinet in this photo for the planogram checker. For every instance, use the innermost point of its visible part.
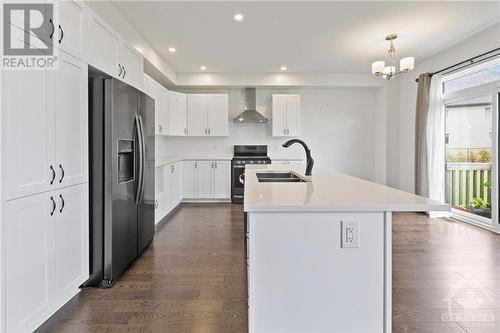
(29, 133)
(159, 193)
(28, 237)
(286, 115)
(102, 46)
(46, 134)
(197, 115)
(130, 65)
(204, 179)
(189, 179)
(69, 31)
(71, 241)
(217, 115)
(71, 121)
(222, 179)
(46, 254)
(177, 114)
(207, 180)
(160, 95)
(207, 115)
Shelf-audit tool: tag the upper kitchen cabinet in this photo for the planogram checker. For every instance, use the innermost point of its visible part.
(177, 118)
(45, 134)
(110, 53)
(161, 96)
(130, 65)
(207, 115)
(69, 31)
(102, 46)
(286, 115)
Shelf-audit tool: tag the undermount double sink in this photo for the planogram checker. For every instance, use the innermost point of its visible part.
(279, 177)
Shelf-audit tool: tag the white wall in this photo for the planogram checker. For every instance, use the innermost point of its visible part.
(401, 139)
(338, 125)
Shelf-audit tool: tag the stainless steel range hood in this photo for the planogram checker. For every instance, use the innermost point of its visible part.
(250, 115)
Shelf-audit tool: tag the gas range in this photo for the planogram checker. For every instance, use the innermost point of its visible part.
(248, 154)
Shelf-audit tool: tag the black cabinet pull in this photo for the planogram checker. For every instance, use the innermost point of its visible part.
(62, 34)
(53, 175)
(121, 70)
(124, 72)
(53, 206)
(53, 29)
(62, 173)
(62, 203)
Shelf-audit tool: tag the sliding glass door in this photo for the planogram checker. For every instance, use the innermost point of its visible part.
(471, 143)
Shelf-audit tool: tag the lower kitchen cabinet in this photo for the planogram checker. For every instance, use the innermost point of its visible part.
(46, 254)
(207, 179)
(168, 189)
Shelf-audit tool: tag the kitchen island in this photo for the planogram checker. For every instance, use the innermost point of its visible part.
(319, 250)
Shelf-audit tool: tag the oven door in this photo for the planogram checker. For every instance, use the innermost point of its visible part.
(238, 176)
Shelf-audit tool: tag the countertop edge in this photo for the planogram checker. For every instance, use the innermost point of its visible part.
(252, 208)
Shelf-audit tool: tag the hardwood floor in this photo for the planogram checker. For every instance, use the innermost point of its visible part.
(192, 279)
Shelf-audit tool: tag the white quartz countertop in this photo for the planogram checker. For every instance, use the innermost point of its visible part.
(327, 191)
(164, 160)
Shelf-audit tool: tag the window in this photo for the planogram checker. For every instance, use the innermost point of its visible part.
(487, 75)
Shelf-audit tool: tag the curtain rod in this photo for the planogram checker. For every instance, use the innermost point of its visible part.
(468, 62)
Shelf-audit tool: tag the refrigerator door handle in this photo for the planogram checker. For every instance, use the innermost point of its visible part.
(143, 159)
(141, 163)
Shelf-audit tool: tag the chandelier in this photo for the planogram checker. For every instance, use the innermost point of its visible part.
(388, 72)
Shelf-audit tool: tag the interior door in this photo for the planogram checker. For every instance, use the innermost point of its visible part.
(197, 115)
(71, 121)
(71, 240)
(29, 133)
(29, 237)
(279, 115)
(217, 111)
(293, 115)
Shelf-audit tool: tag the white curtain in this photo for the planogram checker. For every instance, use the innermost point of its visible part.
(435, 137)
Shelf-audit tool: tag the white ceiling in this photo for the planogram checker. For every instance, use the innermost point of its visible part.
(313, 37)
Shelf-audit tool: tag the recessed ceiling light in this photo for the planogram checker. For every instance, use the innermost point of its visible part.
(203, 68)
(283, 68)
(171, 49)
(238, 17)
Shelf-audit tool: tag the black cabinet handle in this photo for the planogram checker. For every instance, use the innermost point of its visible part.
(62, 203)
(53, 206)
(53, 29)
(53, 175)
(62, 34)
(62, 173)
(121, 70)
(124, 72)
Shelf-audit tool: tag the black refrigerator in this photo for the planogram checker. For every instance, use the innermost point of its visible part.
(122, 162)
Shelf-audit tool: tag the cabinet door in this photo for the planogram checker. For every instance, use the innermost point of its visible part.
(159, 193)
(29, 237)
(217, 115)
(160, 94)
(189, 179)
(29, 133)
(71, 120)
(222, 179)
(197, 115)
(293, 115)
(102, 46)
(177, 114)
(279, 115)
(132, 67)
(145, 86)
(70, 29)
(178, 181)
(71, 240)
(204, 179)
